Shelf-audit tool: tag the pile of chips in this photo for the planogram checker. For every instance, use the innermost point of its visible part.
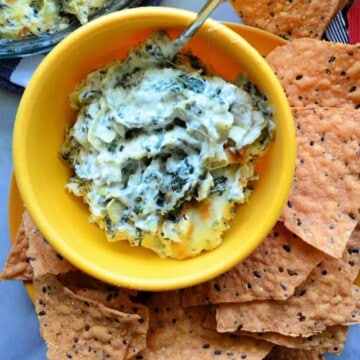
(294, 297)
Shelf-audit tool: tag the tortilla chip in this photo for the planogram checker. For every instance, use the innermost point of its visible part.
(324, 299)
(272, 271)
(332, 339)
(112, 297)
(17, 265)
(86, 286)
(323, 206)
(43, 258)
(288, 19)
(352, 253)
(354, 316)
(77, 327)
(283, 353)
(177, 333)
(315, 72)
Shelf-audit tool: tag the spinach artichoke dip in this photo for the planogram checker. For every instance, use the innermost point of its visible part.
(22, 18)
(162, 151)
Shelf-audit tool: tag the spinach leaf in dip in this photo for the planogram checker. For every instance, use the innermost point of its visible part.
(162, 151)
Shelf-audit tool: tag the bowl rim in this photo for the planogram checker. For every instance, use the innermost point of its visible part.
(24, 181)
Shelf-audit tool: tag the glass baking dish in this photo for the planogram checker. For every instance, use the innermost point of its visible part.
(37, 44)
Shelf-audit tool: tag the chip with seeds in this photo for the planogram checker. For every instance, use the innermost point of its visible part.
(354, 316)
(17, 266)
(314, 72)
(332, 339)
(324, 299)
(283, 353)
(177, 333)
(91, 289)
(288, 19)
(272, 271)
(81, 328)
(86, 286)
(43, 258)
(352, 253)
(323, 206)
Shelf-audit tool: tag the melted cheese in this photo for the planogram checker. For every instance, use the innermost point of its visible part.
(163, 151)
(21, 18)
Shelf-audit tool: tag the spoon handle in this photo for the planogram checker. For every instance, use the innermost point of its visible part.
(204, 13)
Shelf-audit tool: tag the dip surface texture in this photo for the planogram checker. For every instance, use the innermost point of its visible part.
(163, 151)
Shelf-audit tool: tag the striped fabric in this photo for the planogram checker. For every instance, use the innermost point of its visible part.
(7, 66)
(337, 29)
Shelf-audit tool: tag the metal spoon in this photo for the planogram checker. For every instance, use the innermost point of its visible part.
(189, 32)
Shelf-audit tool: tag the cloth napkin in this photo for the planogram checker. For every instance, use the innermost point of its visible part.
(353, 17)
(15, 73)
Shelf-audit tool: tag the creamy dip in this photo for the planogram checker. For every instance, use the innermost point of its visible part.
(163, 151)
(21, 18)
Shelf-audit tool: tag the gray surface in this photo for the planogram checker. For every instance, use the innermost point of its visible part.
(19, 335)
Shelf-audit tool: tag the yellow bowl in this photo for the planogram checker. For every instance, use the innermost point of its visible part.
(44, 113)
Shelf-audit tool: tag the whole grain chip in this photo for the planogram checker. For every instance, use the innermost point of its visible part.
(110, 296)
(44, 259)
(176, 333)
(323, 207)
(288, 19)
(74, 327)
(17, 266)
(332, 339)
(315, 72)
(354, 315)
(283, 353)
(324, 299)
(352, 253)
(272, 271)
